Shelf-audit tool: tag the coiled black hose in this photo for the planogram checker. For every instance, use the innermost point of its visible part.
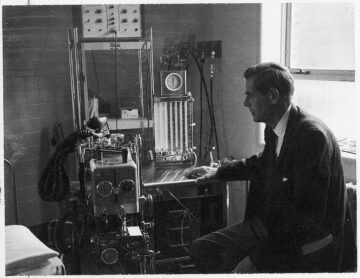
(54, 183)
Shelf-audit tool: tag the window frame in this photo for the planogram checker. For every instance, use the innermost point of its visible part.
(305, 73)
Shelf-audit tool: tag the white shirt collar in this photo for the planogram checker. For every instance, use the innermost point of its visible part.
(280, 128)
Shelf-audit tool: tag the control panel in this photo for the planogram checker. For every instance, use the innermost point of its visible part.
(115, 187)
(110, 21)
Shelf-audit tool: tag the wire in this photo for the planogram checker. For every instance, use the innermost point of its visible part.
(211, 112)
(182, 229)
(214, 130)
(96, 74)
(201, 111)
(181, 204)
(195, 159)
(115, 82)
(14, 187)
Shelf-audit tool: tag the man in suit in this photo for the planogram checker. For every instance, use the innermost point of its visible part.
(295, 208)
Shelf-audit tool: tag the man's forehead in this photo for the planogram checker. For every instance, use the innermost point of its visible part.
(249, 83)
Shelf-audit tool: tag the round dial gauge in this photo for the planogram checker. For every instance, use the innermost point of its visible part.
(104, 188)
(173, 81)
(109, 255)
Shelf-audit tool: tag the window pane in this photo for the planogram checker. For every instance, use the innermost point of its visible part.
(322, 36)
(334, 102)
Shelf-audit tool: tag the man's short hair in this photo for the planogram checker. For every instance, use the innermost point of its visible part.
(271, 75)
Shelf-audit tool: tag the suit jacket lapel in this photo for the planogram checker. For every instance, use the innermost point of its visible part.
(290, 127)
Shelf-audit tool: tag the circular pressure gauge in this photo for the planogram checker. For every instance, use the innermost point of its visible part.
(127, 185)
(173, 81)
(109, 256)
(104, 188)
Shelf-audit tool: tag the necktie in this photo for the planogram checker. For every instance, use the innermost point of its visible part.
(271, 140)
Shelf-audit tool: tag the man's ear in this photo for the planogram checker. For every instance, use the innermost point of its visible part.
(274, 95)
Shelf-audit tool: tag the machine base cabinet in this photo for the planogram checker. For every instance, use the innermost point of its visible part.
(177, 222)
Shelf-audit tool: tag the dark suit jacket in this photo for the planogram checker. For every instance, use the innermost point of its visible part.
(302, 200)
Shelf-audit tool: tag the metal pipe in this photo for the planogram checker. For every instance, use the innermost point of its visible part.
(14, 187)
(141, 83)
(172, 147)
(176, 122)
(77, 74)
(181, 125)
(72, 85)
(186, 125)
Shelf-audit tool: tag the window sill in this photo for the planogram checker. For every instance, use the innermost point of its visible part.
(349, 164)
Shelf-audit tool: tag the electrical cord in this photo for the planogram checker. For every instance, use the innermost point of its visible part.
(212, 126)
(204, 83)
(181, 204)
(211, 112)
(201, 109)
(115, 80)
(182, 229)
(96, 74)
(214, 129)
(14, 187)
(195, 159)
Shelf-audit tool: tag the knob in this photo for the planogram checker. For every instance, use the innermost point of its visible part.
(127, 185)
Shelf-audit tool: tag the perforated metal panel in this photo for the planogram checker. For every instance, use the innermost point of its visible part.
(108, 21)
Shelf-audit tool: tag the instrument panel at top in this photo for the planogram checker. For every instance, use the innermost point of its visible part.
(111, 21)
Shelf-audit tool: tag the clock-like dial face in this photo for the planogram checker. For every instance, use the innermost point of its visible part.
(104, 188)
(173, 81)
(109, 255)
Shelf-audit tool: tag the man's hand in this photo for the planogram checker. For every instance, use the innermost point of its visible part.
(202, 174)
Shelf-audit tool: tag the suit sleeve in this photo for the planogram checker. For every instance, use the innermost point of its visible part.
(244, 169)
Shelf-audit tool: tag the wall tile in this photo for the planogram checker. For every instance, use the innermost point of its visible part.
(25, 73)
(7, 84)
(30, 111)
(45, 82)
(33, 96)
(18, 84)
(31, 83)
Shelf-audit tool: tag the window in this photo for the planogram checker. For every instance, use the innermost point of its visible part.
(319, 40)
(316, 42)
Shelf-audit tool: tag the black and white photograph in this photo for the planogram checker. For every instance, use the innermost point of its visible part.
(179, 137)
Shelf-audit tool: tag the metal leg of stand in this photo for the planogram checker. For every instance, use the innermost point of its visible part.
(81, 176)
(147, 265)
(75, 237)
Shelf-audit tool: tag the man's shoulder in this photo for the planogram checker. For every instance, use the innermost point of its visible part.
(307, 121)
(304, 124)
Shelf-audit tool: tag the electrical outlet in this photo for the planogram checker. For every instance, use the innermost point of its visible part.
(204, 49)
